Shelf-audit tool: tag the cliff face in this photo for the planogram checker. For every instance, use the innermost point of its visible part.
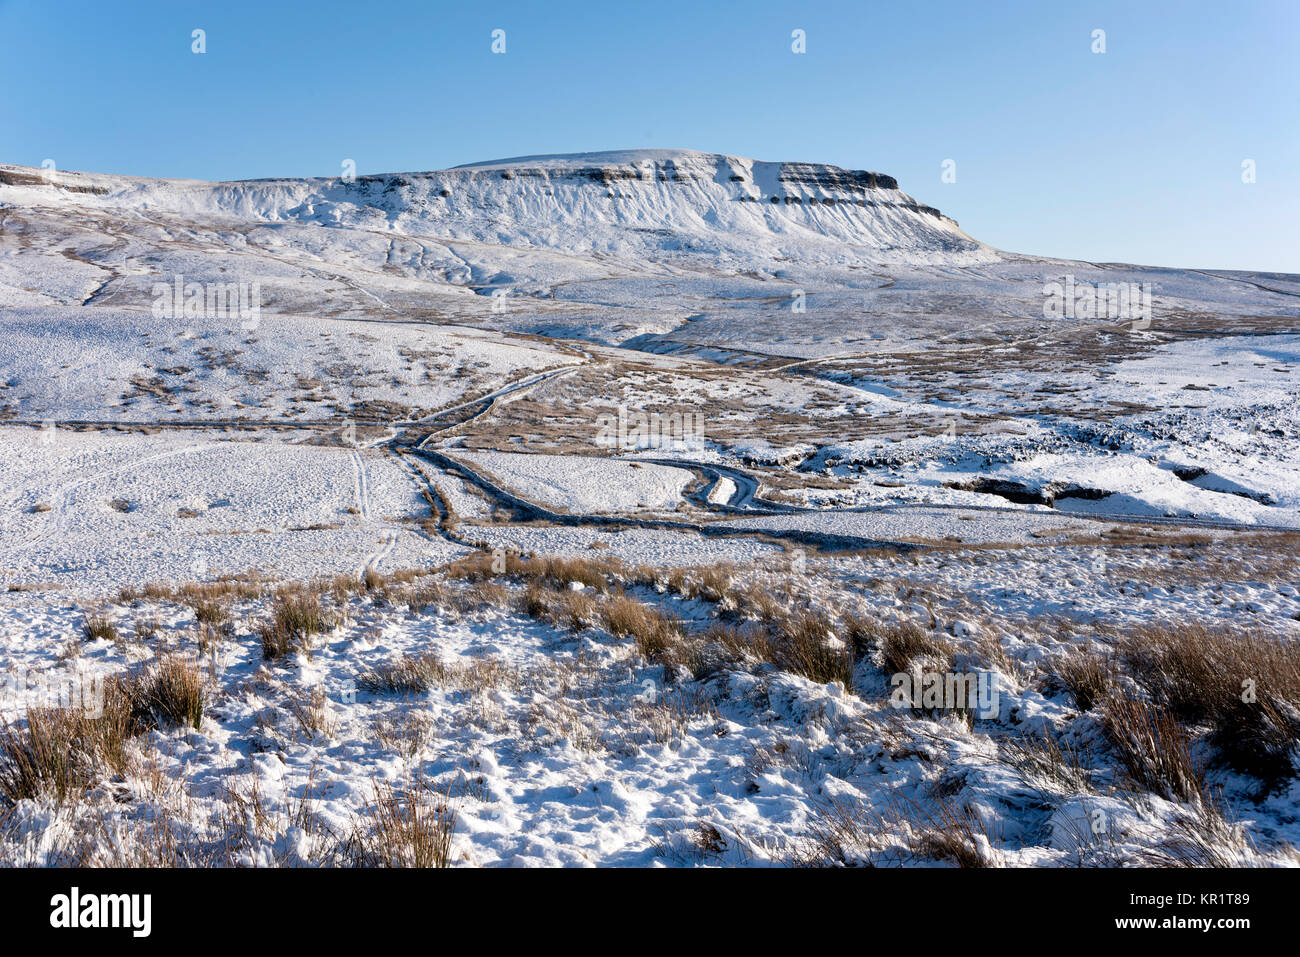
(649, 202)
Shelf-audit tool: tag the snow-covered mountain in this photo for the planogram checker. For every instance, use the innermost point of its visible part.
(661, 250)
(630, 202)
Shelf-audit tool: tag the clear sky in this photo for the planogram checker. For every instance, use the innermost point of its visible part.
(1132, 155)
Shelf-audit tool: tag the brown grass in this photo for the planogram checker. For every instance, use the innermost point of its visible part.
(407, 675)
(245, 585)
(656, 635)
(1153, 747)
(62, 751)
(558, 572)
(1246, 686)
(902, 643)
(98, 628)
(758, 602)
(426, 595)
(1087, 676)
(711, 584)
(212, 612)
(412, 827)
(483, 595)
(417, 674)
(802, 644)
(295, 617)
(172, 692)
(956, 834)
(50, 756)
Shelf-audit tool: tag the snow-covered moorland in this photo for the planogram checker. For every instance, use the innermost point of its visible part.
(345, 572)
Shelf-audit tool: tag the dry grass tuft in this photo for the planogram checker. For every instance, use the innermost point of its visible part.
(483, 595)
(1089, 677)
(806, 644)
(1042, 760)
(956, 834)
(1204, 838)
(1245, 686)
(246, 585)
(558, 572)
(419, 673)
(842, 834)
(62, 751)
(757, 602)
(426, 595)
(172, 692)
(712, 584)
(50, 756)
(407, 675)
(98, 628)
(412, 827)
(211, 612)
(1153, 747)
(656, 635)
(295, 617)
(312, 712)
(902, 643)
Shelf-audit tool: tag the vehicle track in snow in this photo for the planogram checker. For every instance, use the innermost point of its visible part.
(374, 560)
(360, 482)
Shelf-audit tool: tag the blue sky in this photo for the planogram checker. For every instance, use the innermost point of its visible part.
(1134, 155)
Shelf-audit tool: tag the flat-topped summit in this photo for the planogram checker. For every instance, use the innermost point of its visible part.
(671, 164)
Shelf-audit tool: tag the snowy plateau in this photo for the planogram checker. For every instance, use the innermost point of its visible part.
(645, 508)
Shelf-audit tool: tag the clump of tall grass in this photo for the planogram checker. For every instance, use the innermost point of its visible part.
(655, 634)
(98, 628)
(411, 827)
(564, 609)
(296, 616)
(417, 674)
(61, 752)
(1088, 677)
(903, 643)
(1245, 686)
(407, 675)
(1153, 747)
(172, 692)
(805, 643)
